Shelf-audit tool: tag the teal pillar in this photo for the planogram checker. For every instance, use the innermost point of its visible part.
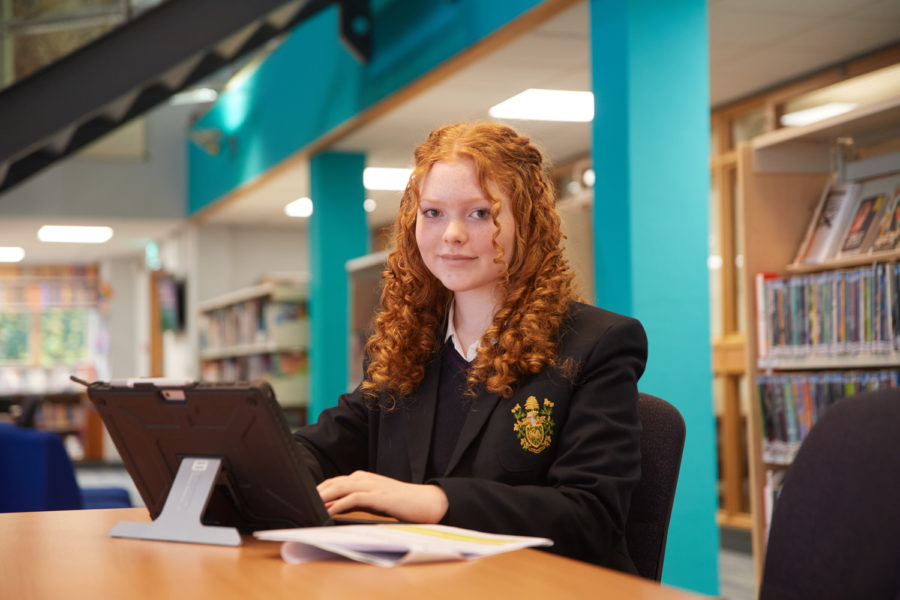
(337, 233)
(651, 226)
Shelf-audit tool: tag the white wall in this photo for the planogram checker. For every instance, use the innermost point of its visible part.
(153, 186)
(126, 318)
(229, 257)
(127, 326)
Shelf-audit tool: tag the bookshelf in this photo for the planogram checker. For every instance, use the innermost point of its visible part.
(364, 289)
(780, 179)
(259, 332)
(50, 328)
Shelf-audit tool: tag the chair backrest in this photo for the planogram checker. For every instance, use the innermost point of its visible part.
(662, 443)
(36, 473)
(835, 529)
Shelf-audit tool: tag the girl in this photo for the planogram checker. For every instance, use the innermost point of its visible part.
(493, 399)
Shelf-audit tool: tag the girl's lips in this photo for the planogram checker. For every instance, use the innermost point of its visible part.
(455, 257)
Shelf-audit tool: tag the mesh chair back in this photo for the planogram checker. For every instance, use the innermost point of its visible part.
(662, 443)
(835, 530)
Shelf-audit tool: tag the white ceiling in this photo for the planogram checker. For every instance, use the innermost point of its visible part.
(754, 45)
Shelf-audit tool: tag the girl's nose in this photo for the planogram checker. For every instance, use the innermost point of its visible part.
(455, 233)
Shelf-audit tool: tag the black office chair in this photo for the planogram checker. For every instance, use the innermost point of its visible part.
(835, 530)
(662, 443)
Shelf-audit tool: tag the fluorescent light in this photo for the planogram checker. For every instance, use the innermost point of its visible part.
(301, 207)
(75, 234)
(378, 178)
(194, 96)
(546, 105)
(369, 205)
(816, 113)
(11, 254)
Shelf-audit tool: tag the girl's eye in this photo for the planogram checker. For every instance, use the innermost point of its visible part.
(430, 213)
(482, 213)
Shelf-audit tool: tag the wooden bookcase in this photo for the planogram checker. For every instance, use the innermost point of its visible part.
(260, 332)
(780, 179)
(364, 289)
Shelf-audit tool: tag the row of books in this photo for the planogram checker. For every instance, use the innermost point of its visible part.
(836, 312)
(20, 272)
(60, 416)
(791, 404)
(249, 322)
(36, 295)
(851, 219)
(255, 366)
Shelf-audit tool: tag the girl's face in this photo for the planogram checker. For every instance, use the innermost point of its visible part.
(454, 229)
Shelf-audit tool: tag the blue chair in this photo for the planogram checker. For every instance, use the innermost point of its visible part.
(36, 473)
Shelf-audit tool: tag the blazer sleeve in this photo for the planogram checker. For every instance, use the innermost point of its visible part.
(584, 505)
(338, 443)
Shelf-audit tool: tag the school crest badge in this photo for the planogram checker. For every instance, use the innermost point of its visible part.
(534, 424)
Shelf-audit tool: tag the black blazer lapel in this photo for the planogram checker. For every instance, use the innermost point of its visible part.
(419, 411)
(480, 411)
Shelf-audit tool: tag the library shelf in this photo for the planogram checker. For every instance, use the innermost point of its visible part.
(780, 178)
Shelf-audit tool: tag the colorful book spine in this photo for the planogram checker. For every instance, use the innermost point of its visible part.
(854, 311)
(791, 404)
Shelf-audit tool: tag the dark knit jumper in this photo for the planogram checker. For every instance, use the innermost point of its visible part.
(451, 410)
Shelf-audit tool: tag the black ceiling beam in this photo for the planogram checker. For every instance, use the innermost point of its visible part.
(356, 27)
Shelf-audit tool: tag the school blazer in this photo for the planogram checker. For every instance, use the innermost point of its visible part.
(559, 459)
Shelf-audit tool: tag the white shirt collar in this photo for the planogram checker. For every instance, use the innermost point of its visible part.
(472, 350)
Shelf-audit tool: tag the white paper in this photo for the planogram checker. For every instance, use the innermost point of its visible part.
(392, 544)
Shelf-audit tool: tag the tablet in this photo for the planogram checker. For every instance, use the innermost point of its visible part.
(210, 460)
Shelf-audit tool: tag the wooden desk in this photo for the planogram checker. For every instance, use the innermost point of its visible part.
(69, 554)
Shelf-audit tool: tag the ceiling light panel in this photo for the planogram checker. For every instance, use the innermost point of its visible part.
(301, 208)
(75, 234)
(546, 105)
(816, 113)
(380, 178)
(11, 254)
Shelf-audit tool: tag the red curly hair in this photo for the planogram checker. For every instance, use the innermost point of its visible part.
(537, 284)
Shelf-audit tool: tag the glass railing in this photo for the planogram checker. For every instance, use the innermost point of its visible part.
(35, 33)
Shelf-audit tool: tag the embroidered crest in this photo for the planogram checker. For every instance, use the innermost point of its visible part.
(534, 425)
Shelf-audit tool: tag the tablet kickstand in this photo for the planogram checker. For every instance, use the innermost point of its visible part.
(179, 520)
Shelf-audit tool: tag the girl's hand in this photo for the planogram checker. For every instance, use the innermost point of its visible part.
(369, 492)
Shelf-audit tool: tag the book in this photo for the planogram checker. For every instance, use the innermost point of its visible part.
(830, 313)
(393, 544)
(887, 235)
(791, 404)
(763, 314)
(861, 229)
(823, 234)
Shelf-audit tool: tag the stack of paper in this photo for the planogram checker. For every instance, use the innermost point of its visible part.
(393, 544)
